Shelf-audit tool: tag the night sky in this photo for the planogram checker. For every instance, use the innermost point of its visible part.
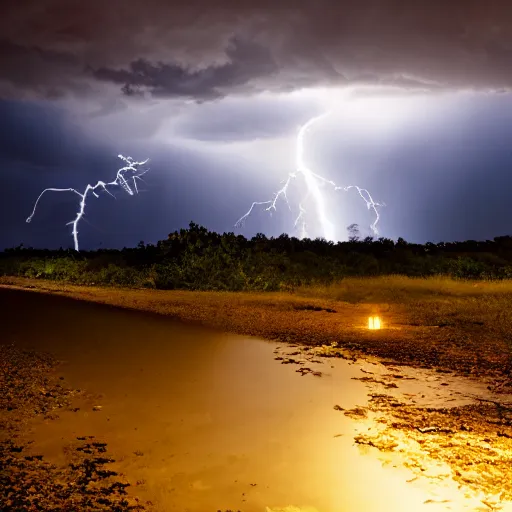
(214, 92)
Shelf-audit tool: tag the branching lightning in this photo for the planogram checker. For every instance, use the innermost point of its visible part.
(313, 182)
(126, 178)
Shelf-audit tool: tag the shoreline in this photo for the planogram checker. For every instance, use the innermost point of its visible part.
(470, 440)
(311, 321)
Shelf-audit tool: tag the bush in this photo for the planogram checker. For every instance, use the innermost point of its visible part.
(198, 259)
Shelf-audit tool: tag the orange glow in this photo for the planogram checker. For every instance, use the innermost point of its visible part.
(374, 323)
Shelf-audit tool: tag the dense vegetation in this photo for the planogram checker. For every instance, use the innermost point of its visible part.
(198, 259)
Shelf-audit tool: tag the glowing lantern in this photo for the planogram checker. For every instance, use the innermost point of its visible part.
(374, 323)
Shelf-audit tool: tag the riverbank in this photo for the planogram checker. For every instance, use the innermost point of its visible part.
(202, 420)
(450, 430)
(464, 327)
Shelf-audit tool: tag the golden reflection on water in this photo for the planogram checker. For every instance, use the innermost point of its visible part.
(222, 425)
(374, 323)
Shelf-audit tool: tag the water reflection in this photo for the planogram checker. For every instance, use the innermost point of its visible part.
(220, 423)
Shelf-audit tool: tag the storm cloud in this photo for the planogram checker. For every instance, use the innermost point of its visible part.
(214, 93)
(246, 60)
(205, 50)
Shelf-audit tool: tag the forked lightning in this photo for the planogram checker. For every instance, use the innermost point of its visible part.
(126, 178)
(313, 182)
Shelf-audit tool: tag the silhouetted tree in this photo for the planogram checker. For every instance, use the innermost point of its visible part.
(353, 233)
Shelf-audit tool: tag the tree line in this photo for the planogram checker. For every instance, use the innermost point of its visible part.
(199, 259)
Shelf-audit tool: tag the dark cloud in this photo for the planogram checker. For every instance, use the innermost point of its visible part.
(49, 47)
(45, 73)
(246, 61)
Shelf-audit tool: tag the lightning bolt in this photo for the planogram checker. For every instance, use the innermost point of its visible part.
(313, 181)
(126, 178)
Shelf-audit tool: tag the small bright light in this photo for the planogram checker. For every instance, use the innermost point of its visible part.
(374, 323)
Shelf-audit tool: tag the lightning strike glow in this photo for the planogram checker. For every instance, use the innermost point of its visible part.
(126, 178)
(313, 182)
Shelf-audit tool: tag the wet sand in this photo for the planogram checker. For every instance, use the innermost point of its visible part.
(198, 420)
(442, 333)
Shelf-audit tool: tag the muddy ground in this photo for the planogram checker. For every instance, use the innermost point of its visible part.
(473, 442)
(466, 337)
(468, 440)
(30, 386)
(467, 434)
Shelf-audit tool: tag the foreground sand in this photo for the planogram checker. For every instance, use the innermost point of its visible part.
(466, 333)
(192, 419)
(472, 441)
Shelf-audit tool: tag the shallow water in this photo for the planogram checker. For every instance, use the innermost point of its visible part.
(208, 421)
